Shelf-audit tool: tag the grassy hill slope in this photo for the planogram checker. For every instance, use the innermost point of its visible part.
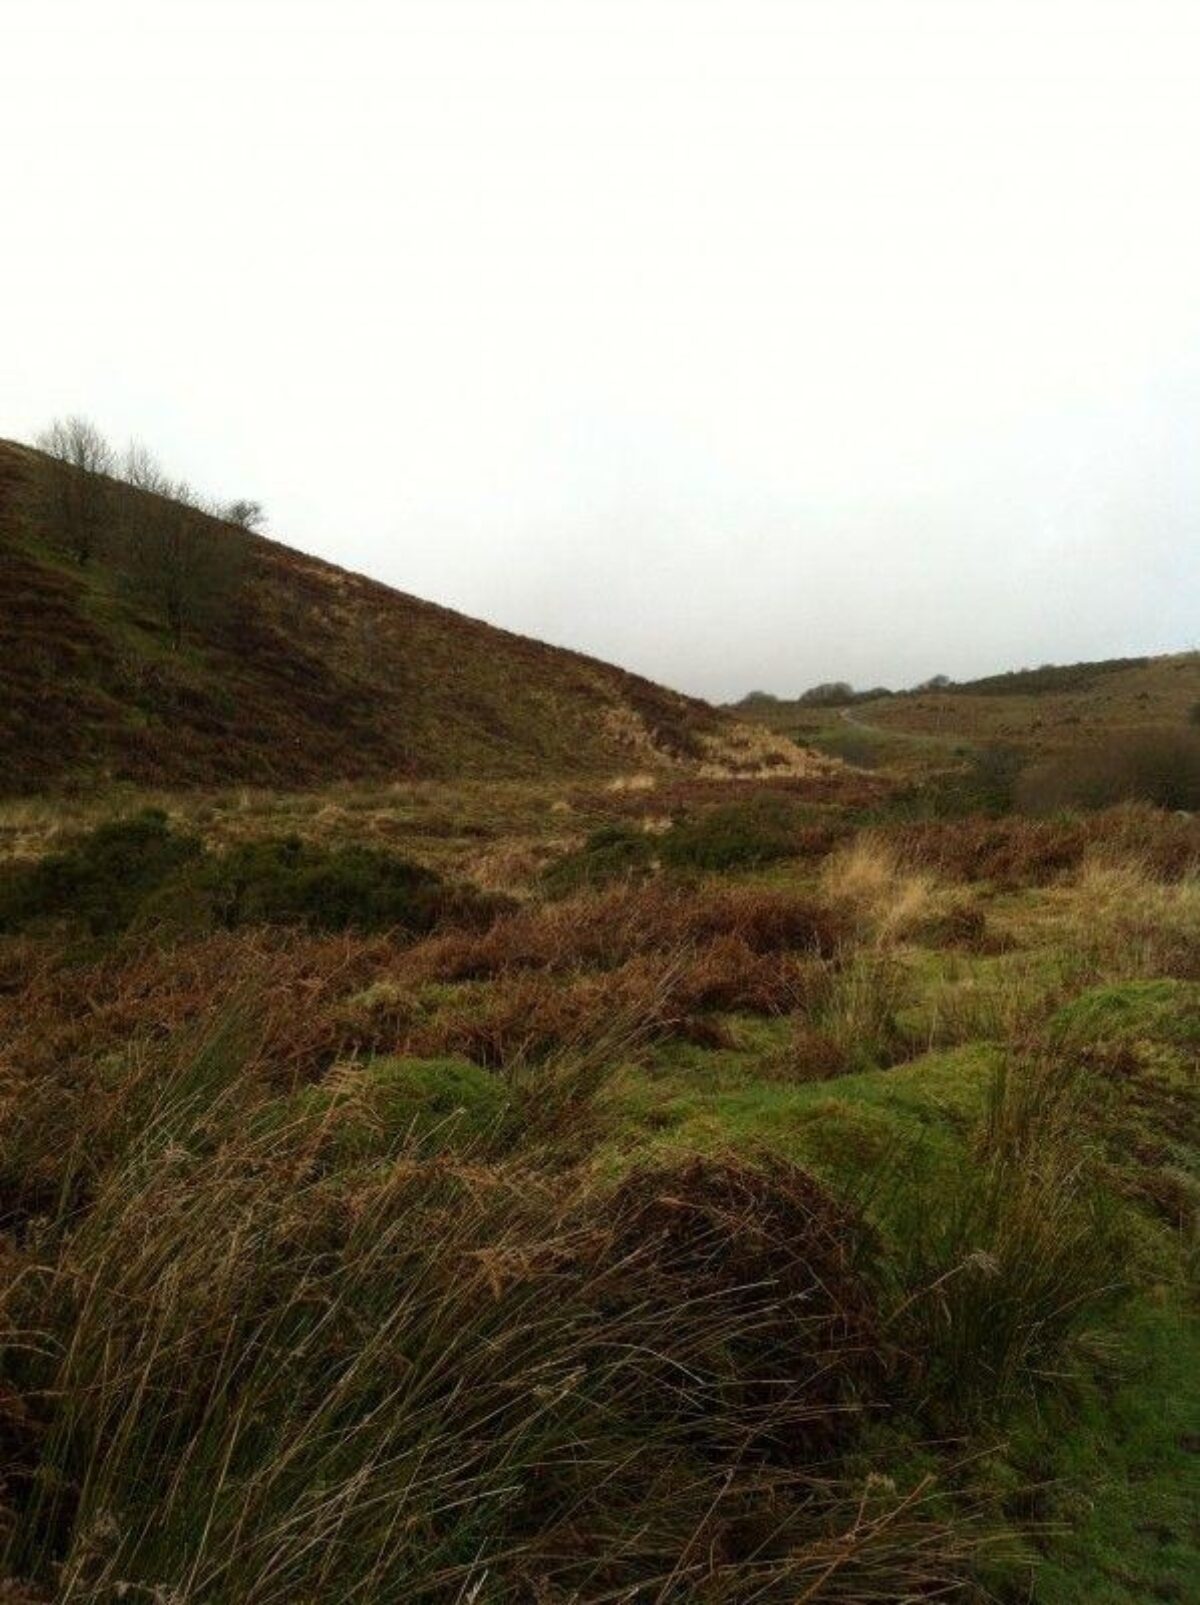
(1044, 713)
(1051, 710)
(304, 674)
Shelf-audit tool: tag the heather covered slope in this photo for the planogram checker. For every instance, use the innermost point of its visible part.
(303, 673)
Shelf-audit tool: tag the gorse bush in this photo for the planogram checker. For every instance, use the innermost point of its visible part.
(735, 836)
(139, 870)
(741, 835)
(103, 880)
(285, 881)
(614, 852)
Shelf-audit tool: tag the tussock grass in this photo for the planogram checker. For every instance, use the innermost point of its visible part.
(248, 1377)
(385, 1267)
(1013, 1261)
(888, 901)
(1126, 923)
(850, 1018)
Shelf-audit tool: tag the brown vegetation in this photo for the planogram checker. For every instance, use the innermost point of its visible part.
(298, 673)
(1014, 851)
(606, 929)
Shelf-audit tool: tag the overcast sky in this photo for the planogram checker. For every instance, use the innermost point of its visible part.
(746, 344)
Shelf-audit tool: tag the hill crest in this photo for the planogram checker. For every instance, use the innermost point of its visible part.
(297, 673)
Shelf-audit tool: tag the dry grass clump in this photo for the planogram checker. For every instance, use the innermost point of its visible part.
(1126, 923)
(887, 900)
(238, 1378)
(1012, 851)
(604, 930)
(529, 1014)
(849, 1020)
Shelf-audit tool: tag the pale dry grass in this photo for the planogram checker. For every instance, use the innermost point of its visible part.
(888, 901)
(1127, 924)
(752, 752)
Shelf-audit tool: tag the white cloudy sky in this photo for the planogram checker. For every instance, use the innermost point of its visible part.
(745, 343)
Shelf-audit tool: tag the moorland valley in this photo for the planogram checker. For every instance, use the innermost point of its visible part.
(476, 1125)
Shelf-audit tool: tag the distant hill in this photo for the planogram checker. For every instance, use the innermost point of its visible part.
(1045, 711)
(273, 668)
(1051, 709)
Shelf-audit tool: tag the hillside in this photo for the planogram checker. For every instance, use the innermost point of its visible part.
(299, 673)
(1046, 712)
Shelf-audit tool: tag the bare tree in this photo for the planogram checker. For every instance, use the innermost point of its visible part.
(184, 564)
(179, 560)
(79, 489)
(247, 513)
(140, 468)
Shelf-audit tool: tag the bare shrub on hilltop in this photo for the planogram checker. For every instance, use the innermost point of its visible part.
(80, 461)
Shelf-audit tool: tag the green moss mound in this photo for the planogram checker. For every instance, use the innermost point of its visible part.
(1159, 1011)
(386, 1104)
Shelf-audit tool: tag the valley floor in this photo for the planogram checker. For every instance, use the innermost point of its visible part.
(661, 1190)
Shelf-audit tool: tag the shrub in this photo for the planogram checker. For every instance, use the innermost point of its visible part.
(102, 880)
(606, 929)
(1015, 851)
(1152, 766)
(614, 852)
(139, 871)
(739, 835)
(991, 778)
(285, 881)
